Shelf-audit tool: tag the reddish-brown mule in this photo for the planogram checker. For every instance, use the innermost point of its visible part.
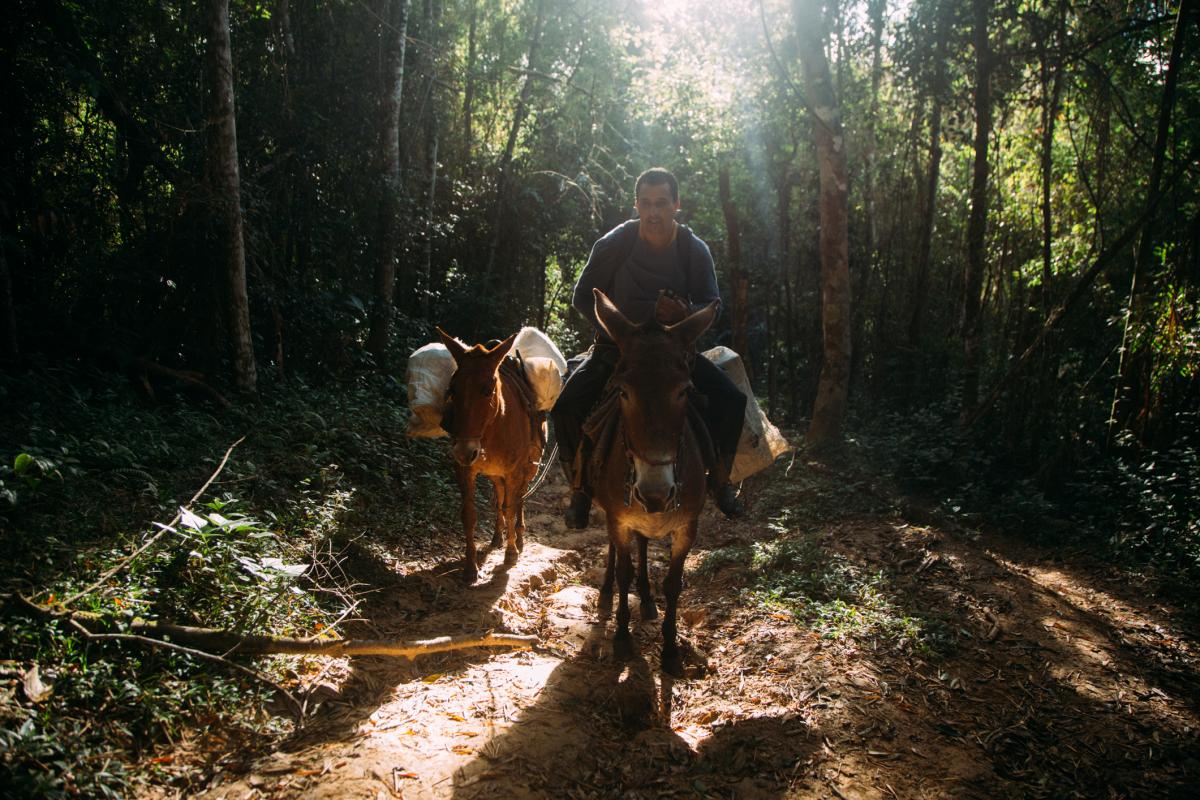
(651, 482)
(490, 420)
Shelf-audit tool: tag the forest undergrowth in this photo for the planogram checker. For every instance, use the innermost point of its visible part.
(89, 474)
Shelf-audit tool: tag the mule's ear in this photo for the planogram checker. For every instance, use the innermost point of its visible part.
(455, 347)
(692, 328)
(615, 324)
(497, 353)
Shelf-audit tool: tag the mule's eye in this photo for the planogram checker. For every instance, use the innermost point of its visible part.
(485, 391)
(624, 394)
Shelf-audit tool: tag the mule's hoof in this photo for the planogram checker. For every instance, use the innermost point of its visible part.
(623, 648)
(497, 540)
(520, 544)
(510, 556)
(649, 610)
(469, 574)
(672, 665)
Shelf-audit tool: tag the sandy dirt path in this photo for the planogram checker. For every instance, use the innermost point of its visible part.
(1063, 681)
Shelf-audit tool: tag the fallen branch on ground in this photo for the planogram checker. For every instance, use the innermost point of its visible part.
(215, 640)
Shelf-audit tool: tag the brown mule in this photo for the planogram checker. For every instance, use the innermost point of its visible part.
(651, 482)
(491, 423)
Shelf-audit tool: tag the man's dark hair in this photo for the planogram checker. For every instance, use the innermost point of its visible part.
(656, 176)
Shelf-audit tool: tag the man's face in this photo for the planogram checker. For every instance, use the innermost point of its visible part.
(656, 208)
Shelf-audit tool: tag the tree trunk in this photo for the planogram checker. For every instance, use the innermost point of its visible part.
(829, 408)
(738, 277)
(784, 210)
(977, 223)
(930, 189)
(227, 196)
(10, 351)
(1052, 75)
(1187, 9)
(388, 237)
(469, 90)
(432, 12)
(522, 111)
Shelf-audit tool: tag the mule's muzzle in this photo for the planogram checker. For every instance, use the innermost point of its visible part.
(467, 451)
(654, 486)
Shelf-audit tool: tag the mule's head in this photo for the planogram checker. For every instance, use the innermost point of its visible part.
(475, 398)
(653, 376)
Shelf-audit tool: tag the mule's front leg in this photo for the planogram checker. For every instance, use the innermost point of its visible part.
(498, 535)
(645, 596)
(681, 543)
(623, 640)
(466, 490)
(505, 500)
(604, 603)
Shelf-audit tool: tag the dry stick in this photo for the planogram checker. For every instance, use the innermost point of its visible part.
(214, 639)
(169, 527)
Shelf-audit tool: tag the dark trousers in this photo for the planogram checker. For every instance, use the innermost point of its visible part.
(724, 413)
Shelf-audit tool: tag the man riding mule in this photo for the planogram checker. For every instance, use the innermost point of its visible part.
(653, 269)
(650, 454)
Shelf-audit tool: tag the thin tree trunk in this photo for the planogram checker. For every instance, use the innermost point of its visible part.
(388, 237)
(738, 276)
(784, 209)
(932, 178)
(876, 9)
(469, 90)
(10, 351)
(227, 196)
(1187, 9)
(432, 12)
(522, 111)
(977, 223)
(829, 408)
(1051, 95)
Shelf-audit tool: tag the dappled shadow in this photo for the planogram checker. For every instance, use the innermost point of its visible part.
(422, 604)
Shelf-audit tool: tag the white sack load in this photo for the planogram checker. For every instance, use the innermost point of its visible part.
(544, 365)
(532, 343)
(761, 442)
(429, 371)
(546, 379)
(431, 367)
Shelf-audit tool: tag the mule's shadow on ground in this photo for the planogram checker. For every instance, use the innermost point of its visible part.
(603, 727)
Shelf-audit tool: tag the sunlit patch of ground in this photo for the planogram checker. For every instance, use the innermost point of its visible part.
(857, 657)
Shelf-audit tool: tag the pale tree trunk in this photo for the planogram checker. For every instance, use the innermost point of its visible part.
(388, 236)
(522, 111)
(829, 409)
(469, 90)
(432, 14)
(739, 279)
(977, 222)
(227, 196)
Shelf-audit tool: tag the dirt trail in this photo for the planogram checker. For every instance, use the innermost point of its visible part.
(1063, 683)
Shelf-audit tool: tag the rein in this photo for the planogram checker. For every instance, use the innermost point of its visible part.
(631, 453)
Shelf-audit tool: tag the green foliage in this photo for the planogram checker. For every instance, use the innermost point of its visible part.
(321, 467)
(825, 592)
